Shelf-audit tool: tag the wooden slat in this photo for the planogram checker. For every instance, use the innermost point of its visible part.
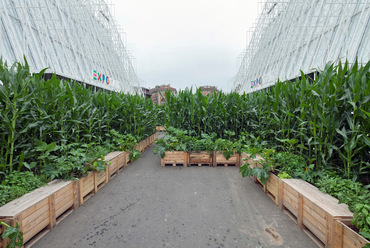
(351, 239)
(314, 214)
(318, 233)
(33, 223)
(60, 196)
(31, 210)
(318, 225)
(67, 205)
(292, 209)
(291, 199)
(27, 235)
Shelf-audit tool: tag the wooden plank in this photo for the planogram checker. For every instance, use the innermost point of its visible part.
(307, 210)
(351, 239)
(27, 221)
(291, 209)
(68, 204)
(60, 196)
(34, 208)
(300, 212)
(317, 232)
(66, 200)
(34, 226)
(291, 199)
(337, 237)
(318, 225)
(36, 229)
(52, 217)
(312, 207)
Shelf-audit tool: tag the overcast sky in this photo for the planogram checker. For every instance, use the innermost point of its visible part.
(186, 43)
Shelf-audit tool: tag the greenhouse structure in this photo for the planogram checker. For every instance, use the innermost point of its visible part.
(295, 35)
(75, 39)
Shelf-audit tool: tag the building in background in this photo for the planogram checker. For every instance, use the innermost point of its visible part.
(146, 92)
(207, 90)
(75, 39)
(295, 35)
(158, 93)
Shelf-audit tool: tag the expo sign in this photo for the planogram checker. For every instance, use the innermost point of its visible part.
(100, 77)
(255, 83)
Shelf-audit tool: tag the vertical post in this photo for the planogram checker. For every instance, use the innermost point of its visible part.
(300, 211)
(76, 194)
(279, 197)
(52, 217)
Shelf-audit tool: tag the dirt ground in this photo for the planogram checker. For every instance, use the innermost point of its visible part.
(147, 205)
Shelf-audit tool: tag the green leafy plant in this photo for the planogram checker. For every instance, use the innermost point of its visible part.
(9, 193)
(14, 234)
(284, 175)
(361, 218)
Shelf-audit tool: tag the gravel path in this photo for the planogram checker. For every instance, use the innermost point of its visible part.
(147, 205)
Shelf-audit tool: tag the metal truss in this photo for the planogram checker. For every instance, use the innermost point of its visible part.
(77, 39)
(295, 35)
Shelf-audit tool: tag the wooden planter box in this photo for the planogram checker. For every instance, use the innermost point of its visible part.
(219, 158)
(40, 210)
(200, 158)
(312, 210)
(345, 237)
(174, 158)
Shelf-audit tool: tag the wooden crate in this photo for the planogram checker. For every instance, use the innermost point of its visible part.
(40, 210)
(344, 237)
(174, 158)
(219, 159)
(313, 211)
(87, 187)
(200, 158)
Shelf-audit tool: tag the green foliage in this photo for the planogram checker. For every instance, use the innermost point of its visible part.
(284, 175)
(9, 193)
(27, 180)
(39, 117)
(261, 172)
(351, 193)
(325, 120)
(345, 190)
(361, 218)
(14, 234)
(134, 155)
(17, 184)
(120, 142)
